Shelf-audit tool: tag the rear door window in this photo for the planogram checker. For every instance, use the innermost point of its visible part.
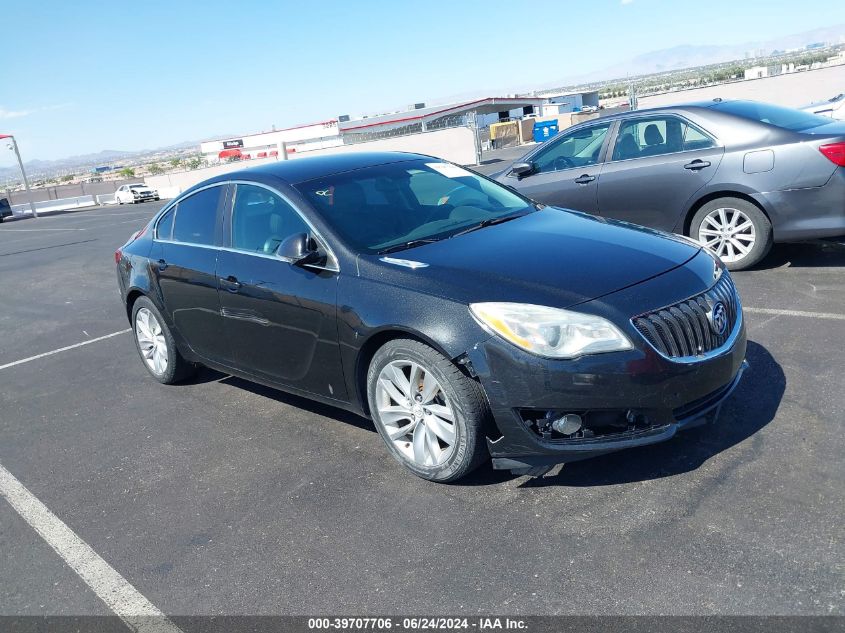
(658, 135)
(196, 217)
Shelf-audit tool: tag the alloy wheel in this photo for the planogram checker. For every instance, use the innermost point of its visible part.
(151, 341)
(727, 232)
(417, 416)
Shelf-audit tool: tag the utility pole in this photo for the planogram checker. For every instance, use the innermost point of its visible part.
(14, 148)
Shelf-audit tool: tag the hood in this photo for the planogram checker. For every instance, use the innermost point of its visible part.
(551, 257)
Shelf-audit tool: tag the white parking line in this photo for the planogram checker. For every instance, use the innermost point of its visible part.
(793, 313)
(122, 598)
(34, 230)
(64, 349)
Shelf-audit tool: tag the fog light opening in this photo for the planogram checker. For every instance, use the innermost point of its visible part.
(568, 424)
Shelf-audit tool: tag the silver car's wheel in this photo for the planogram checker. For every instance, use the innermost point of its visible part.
(151, 341)
(729, 233)
(735, 230)
(417, 416)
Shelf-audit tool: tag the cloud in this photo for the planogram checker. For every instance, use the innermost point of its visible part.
(16, 114)
(13, 114)
(627, 1)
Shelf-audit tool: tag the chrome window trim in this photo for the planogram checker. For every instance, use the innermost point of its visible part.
(332, 258)
(174, 203)
(194, 244)
(717, 144)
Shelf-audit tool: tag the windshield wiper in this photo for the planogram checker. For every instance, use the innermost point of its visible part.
(409, 244)
(488, 222)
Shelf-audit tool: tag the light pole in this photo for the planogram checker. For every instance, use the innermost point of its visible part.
(14, 148)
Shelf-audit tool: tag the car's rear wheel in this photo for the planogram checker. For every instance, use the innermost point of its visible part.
(429, 413)
(156, 346)
(735, 230)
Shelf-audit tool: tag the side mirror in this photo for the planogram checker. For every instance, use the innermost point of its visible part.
(521, 169)
(297, 249)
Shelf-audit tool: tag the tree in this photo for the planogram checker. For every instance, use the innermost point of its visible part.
(195, 163)
(67, 177)
(155, 168)
(176, 163)
(127, 172)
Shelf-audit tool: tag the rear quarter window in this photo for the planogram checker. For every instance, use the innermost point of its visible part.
(164, 230)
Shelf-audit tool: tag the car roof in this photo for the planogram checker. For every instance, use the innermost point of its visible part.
(691, 105)
(301, 169)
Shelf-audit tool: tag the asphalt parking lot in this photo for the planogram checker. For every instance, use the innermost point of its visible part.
(223, 497)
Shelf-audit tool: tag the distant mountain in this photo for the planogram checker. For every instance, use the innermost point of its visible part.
(85, 162)
(690, 55)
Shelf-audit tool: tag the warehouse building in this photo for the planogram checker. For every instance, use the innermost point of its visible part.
(345, 130)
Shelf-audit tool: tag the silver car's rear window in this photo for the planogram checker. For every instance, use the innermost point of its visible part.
(786, 118)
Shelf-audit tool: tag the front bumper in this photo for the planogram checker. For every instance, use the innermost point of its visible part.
(670, 395)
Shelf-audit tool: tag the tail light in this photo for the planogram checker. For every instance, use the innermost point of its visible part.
(118, 254)
(835, 153)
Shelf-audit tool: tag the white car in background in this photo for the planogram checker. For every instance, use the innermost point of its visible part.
(833, 108)
(138, 192)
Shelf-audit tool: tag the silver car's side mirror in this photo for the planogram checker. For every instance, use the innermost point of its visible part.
(521, 169)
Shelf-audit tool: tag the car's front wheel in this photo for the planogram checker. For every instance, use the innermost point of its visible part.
(156, 346)
(429, 413)
(735, 230)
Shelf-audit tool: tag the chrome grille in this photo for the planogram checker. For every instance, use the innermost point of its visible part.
(684, 329)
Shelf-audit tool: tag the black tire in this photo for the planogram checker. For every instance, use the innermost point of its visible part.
(177, 367)
(467, 401)
(762, 229)
(119, 201)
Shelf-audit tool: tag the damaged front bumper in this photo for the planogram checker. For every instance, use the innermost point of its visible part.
(625, 399)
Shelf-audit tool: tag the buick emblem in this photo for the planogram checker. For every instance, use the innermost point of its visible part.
(719, 318)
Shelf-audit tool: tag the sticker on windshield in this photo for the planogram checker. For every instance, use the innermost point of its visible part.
(449, 170)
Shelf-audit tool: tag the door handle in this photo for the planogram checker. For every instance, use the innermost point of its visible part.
(230, 283)
(162, 264)
(585, 179)
(697, 164)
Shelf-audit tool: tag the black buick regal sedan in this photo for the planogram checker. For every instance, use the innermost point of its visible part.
(467, 321)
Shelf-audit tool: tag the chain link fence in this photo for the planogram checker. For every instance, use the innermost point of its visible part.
(416, 127)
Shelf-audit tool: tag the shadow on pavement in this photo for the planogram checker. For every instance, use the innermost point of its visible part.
(328, 411)
(819, 253)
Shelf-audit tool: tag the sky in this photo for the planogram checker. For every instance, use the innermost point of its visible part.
(79, 77)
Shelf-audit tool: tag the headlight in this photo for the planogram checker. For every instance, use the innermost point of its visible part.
(550, 332)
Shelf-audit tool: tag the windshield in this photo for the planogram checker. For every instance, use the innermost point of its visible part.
(381, 207)
(786, 118)
(137, 186)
